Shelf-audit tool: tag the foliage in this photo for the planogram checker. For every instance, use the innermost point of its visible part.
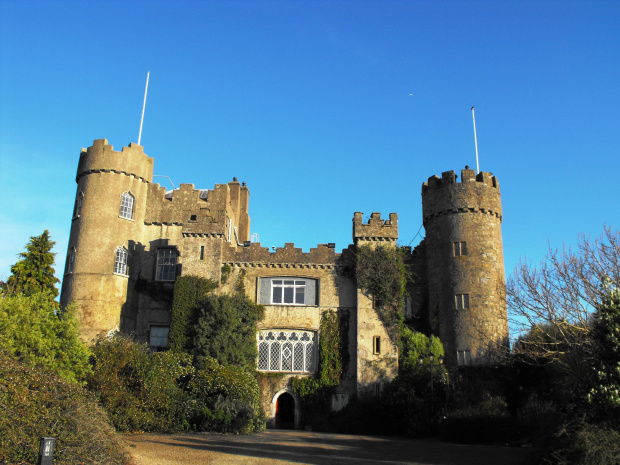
(36, 403)
(558, 297)
(189, 293)
(225, 272)
(315, 393)
(225, 399)
(34, 273)
(605, 391)
(140, 391)
(33, 332)
(226, 330)
(412, 346)
(382, 275)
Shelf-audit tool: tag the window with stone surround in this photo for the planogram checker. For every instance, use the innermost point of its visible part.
(461, 301)
(463, 357)
(120, 261)
(288, 291)
(166, 265)
(158, 337)
(79, 200)
(459, 248)
(70, 260)
(126, 206)
(286, 350)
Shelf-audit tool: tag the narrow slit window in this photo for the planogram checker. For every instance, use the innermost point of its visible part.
(460, 248)
(70, 260)
(376, 345)
(202, 252)
(78, 205)
(461, 301)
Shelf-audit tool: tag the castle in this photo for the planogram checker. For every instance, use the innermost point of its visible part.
(130, 236)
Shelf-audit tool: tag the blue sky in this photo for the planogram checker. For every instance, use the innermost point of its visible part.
(324, 108)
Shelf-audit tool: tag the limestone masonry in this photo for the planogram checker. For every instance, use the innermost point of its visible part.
(130, 237)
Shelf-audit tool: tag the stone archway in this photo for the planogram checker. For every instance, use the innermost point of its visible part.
(285, 410)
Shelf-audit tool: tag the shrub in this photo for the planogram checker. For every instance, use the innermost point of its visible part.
(32, 331)
(36, 403)
(141, 391)
(579, 443)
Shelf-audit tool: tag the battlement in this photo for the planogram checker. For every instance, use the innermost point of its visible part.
(288, 256)
(376, 229)
(101, 157)
(467, 176)
(475, 193)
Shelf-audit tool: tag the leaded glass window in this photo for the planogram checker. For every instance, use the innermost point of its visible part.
(126, 206)
(286, 350)
(166, 265)
(120, 261)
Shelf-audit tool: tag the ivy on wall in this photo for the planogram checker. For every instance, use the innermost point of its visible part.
(315, 393)
(382, 276)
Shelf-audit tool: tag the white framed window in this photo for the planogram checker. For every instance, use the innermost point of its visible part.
(463, 357)
(376, 345)
(461, 301)
(120, 261)
(286, 350)
(126, 206)
(158, 336)
(459, 248)
(70, 260)
(288, 291)
(77, 209)
(166, 265)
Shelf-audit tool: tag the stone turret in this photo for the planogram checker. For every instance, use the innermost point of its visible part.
(465, 264)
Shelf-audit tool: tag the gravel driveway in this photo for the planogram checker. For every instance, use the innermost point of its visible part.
(287, 446)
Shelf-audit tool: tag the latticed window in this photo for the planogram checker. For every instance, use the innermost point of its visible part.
(158, 336)
(288, 291)
(166, 265)
(120, 261)
(126, 206)
(288, 350)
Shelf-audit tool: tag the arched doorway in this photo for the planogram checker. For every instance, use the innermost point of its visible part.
(285, 411)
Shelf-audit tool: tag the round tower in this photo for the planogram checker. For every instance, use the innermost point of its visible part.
(106, 228)
(465, 265)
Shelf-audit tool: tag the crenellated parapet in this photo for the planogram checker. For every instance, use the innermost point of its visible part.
(375, 229)
(474, 193)
(289, 256)
(102, 158)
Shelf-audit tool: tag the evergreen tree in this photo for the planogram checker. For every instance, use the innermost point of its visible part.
(34, 272)
(606, 334)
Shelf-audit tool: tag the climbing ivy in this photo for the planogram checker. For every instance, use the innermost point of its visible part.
(382, 275)
(315, 393)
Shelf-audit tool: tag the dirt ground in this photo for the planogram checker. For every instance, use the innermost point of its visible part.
(288, 446)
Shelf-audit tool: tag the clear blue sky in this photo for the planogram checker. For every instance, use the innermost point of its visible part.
(309, 103)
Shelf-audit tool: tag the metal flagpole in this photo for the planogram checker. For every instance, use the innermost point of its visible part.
(473, 114)
(144, 105)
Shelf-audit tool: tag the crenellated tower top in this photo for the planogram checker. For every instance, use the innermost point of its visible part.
(376, 229)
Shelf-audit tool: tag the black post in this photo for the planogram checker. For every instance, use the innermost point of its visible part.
(46, 451)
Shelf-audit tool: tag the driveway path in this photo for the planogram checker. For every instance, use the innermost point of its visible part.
(283, 446)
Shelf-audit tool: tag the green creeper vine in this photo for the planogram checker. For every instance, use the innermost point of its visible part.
(382, 275)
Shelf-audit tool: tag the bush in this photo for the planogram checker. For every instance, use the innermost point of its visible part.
(36, 403)
(141, 391)
(580, 443)
(32, 331)
(225, 399)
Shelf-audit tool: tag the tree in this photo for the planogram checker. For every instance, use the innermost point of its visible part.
(35, 272)
(556, 301)
(605, 391)
(226, 330)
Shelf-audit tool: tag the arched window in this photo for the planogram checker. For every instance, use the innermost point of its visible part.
(120, 261)
(127, 206)
(286, 350)
(77, 210)
(70, 260)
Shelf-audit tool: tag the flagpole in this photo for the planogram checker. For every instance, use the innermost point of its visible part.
(473, 114)
(144, 105)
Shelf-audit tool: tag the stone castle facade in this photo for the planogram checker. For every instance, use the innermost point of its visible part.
(130, 237)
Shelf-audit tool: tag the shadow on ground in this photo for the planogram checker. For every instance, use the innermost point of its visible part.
(316, 448)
